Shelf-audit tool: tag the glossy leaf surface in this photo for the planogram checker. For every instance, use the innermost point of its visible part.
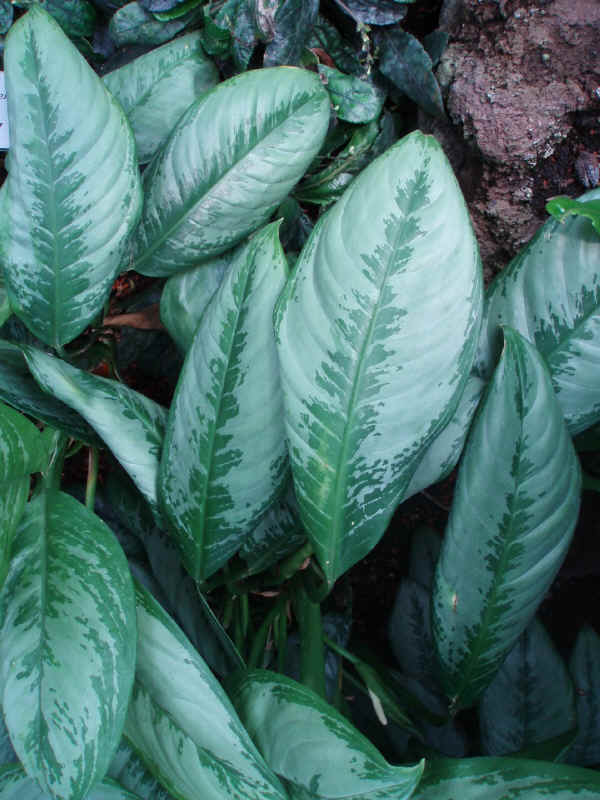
(132, 24)
(584, 667)
(185, 297)
(19, 389)
(515, 507)
(15, 785)
(130, 424)
(530, 700)
(501, 778)
(324, 756)
(73, 191)
(353, 99)
(376, 332)
(224, 458)
(550, 293)
(233, 157)
(293, 22)
(156, 88)
(67, 645)
(182, 724)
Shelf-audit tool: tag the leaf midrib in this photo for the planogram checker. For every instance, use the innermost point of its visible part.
(187, 208)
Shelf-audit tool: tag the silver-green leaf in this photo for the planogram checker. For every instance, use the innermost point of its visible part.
(156, 88)
(376, 332)
(15, 785)
(67, 645)
(74, 190)
(233, 157)
(515, 508)
(224, 459)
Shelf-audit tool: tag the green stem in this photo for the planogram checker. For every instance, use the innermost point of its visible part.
(312, 651)
(92, 478)
(255, 659)
(590, 482)
(341, 651)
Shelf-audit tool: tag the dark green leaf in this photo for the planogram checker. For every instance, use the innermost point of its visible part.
(326, 37)
(67, 645)
(550, 293)
(75, 196)
(225, 459)
(132, 24)
(130, 424)
(6, 15)
(156, 88)
(531, 699)
(375, 12)
(405, 62)
(353, 99)
(186, 295)
(233, 157)
(424, 553)
(584, 667)
(183, 9)
(563, 207)
(515, 506)
(410, 632)
(129, 771)
(216, 39)
(357, 343)
(181, 723)
(244, 35)
(296, 225)
(75, 17)
(19, 389)
(325, 756)
(435, 44)
(294, 20)
(501, 778)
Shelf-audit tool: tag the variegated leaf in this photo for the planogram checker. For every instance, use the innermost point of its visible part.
(157, 87)
(311, 745)
(584, 667)
(129, 771)
(224, 459)
(550, 293)
(515, 508)
(74, 191)
(376, 332)
(67, 645)
(15, 785)
(233, 157)
(182, 724)
(130, 424)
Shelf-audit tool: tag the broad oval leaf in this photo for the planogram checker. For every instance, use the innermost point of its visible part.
(19, 389)
(530, 700)
(354, 100)
(224, 459)
(501, 778)
(376, 334)
(324, 756)
(515, 507)
(584, 667)
(185, 297)
(233, 157)
(16, 785)
(550, 293)
(156, 88)
(67, 645)
(74, 190)
(181, 723)
(130, 424)
(132, 24)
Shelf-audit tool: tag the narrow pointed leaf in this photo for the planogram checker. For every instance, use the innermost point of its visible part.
(185, 297)
(515, 507)
(550, 293)
(233, 157)
(130, 424)
(156, 88)
(376, 332)
(584, 667)
(325, 756)
(182, 724)
(67, 645)
(15, 785)
(444, 452)
(224, 459)
(501, 778)
(19, 389)
(530, 700)
(74, 189)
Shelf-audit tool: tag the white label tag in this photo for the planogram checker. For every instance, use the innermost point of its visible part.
(4, 141)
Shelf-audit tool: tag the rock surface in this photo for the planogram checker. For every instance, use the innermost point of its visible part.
(522, 86)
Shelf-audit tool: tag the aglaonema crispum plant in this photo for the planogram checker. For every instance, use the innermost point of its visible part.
(310, 404)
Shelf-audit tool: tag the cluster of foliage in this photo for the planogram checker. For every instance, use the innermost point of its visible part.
(171, 634)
